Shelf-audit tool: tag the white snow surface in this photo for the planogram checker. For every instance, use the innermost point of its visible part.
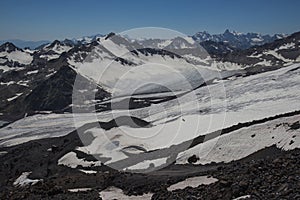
(23, 180)
(32, 72)
(14, 97)
(243, 142)
(205, 110)
(18, 56)
(42, 126)
(149, 71)
(147, 163)
(79, 189)
(264, 63)
(88, 171)
(243, 197)
(58, 48)
(5, 68)
(116, 193)
(277, 55)
(3, 153)
(192, 182)
(50, 57)
(71, 160)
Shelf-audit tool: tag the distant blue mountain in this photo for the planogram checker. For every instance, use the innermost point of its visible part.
(23, 43)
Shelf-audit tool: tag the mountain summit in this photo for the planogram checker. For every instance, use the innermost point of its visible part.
(236, 39)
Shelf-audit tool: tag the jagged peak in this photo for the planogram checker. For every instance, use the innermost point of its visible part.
(8, 46)
(110, 35)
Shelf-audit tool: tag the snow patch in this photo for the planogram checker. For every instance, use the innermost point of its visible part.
(23, 83)
(23, 180)
(287, 46)
(3, 153)
(147, 163)
(71, 160)
(80, 189)
(116, 193)
(8, 83)
(243, 142)
(88, 171)
(14, 97)
(277, 55)
(264, 63)
(243, 197)
(32, 72)
(193, 182)
(18, 56)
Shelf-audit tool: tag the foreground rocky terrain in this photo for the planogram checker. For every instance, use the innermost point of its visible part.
(267, 174)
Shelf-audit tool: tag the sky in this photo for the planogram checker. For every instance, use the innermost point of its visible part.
(58, 19)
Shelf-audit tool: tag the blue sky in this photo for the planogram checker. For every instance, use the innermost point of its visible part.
(59, 19)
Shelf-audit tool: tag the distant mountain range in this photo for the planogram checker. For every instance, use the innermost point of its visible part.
(36, 44)
(237, 40)
(26, 44)
(227, 41)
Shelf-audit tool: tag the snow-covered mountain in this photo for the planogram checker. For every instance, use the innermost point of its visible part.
(137, 61)
(236, 39)
(12, 57)
(82, 116)
(279, 53)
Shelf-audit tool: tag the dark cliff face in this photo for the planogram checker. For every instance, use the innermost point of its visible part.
(55, 93)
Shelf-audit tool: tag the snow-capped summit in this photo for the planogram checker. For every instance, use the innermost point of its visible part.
(8, 47)
(181, 43)
(12, 56)
(236, 39)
